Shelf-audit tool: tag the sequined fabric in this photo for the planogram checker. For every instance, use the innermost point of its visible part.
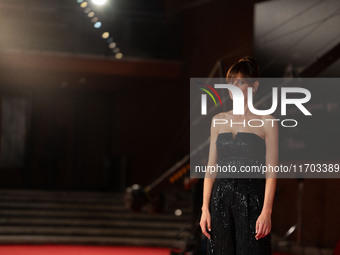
(236, 203)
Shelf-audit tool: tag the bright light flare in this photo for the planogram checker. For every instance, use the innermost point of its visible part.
(99, 2)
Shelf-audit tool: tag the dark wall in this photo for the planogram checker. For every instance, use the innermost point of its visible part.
(98, 139)
(320, 210)
(213, 30)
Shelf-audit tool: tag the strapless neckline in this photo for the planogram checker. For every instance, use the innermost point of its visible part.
(234, 139)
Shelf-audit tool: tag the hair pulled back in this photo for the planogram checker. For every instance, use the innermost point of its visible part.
(246, 66)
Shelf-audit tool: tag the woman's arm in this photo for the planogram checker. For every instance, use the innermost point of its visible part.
(263, 224)
(210, 178)
(209, 181)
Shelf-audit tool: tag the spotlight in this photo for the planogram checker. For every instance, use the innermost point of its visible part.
(105, 35)
(83, 4)
(119, 55)
(94, 20)
(98, 24)
(90, 15)
(112, 45)
(99, 2)
(178, 212)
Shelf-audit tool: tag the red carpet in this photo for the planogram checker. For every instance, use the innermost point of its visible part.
(79, 250)
(282, 253)
(84, 250)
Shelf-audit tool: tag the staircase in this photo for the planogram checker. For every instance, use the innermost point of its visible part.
(68, 217)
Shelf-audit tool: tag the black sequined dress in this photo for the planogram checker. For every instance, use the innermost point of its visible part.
(236, 203)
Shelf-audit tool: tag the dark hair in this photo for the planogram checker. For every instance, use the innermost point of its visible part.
(246, 66)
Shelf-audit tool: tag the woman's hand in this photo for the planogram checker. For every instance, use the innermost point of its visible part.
(205, 222)
(263, 225)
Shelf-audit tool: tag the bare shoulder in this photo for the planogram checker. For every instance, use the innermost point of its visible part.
(217, 119)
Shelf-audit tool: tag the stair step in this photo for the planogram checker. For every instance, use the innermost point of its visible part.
(68, 206)
(59, 193)
(89, 231)
(78, 200)
(119, 200)
(54, 205)
(8, 213)
(96, 222)
(101, 197)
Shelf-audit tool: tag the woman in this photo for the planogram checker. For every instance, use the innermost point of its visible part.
(236, 212)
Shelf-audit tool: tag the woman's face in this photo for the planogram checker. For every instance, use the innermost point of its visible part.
(243, 85)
